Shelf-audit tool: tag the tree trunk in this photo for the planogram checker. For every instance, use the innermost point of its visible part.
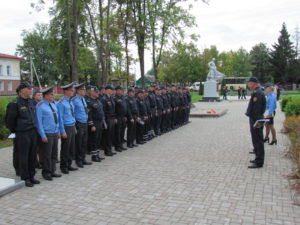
(102, 57)
(107, 52)
(126, 42)
(76, 14)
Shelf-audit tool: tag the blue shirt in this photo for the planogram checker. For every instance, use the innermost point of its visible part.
(66, 113)
(80, 109)
(45, 118)
(271, 103)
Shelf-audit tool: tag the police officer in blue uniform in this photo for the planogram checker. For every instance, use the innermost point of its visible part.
(48, 128)
(21, 120)
(67, 129)
(255, 111)
(96, 122)
(81, 117)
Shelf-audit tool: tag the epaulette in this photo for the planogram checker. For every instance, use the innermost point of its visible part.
(40, 103)
(15, 100)
(61, 100)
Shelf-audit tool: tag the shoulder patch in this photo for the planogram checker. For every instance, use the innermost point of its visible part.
(61, 100)
(254, 99)
(40, 103)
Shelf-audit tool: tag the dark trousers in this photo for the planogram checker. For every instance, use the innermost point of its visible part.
(153, 118)
(131, 131)
(258, 143)
(26, 150)
(81, 139)
(163, 125)
(95, 137)
(158, 122)
(38, 152)
(108, 135)
(119, 131)
(139, 132)
(15, 157)
(49, 153)
(174, 119)
(67, 147)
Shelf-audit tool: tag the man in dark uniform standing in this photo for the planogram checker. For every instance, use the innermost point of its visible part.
(132, 118)
(166, 110)
(160, 108)
(189, 99)
(109, 111)
(121, 113)
(174, 105)
(152, 100)
(147, 130)
(142, 107)
(255, 111)
(95, 122)
(21, 120)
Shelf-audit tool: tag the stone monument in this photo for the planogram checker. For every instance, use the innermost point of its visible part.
(210, 86)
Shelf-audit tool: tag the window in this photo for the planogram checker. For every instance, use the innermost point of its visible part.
(8, 70)
(1, 85)
(9, 86)
(1, 70)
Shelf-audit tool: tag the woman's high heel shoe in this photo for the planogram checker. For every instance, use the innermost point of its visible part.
(266, 140)
(273, 142)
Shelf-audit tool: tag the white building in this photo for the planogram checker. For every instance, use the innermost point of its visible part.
(10, 74)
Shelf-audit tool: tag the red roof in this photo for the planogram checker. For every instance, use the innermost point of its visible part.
(10, 56)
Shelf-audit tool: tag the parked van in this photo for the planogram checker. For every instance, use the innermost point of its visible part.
(195, 86)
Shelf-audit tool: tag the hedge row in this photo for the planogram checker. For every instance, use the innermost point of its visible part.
(4, 132)
(291, 105)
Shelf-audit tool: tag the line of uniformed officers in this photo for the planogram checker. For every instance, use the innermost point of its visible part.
(88, 119)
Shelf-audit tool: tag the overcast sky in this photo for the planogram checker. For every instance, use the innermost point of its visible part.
(228, 24)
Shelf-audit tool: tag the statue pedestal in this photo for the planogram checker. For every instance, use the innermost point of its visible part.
(210, 92)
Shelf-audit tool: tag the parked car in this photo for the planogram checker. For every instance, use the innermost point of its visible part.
(195, 86)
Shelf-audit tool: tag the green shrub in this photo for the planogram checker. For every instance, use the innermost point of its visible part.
(4, 132)
(284, 102)
(292, 107)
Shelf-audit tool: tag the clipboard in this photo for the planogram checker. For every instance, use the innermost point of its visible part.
(260, 122)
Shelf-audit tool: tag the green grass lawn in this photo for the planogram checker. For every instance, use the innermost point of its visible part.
(196, 97)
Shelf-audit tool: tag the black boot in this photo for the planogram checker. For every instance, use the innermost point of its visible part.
(95, 158)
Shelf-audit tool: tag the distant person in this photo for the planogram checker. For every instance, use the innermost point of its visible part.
(225, 91)
(269, 114)
(255, 111)
(278, 93)
(239, 92)
(243, 93)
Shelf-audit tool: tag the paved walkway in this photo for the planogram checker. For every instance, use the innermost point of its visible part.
(194, 175)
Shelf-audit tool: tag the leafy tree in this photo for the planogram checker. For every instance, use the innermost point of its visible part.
(260, 59)
(36, 47)
(283, 58)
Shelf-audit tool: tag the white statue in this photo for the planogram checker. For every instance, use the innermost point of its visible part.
(213, 73)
